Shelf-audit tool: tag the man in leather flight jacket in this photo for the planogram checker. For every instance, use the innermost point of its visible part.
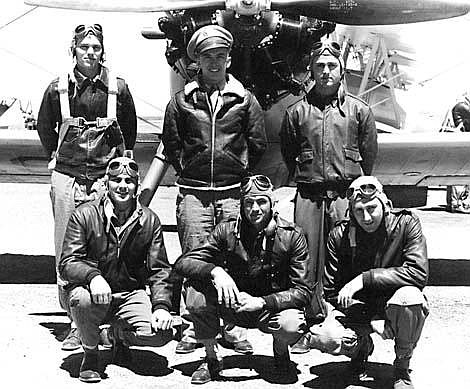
(113, 249)
(253, 272)
(375, 271)
(86, 118)
(213, 135)
(327, 140)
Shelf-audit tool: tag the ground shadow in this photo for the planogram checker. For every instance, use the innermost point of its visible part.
(59, 330)
(337, 375)
(144, 363)
(27, 269)
(248, 367)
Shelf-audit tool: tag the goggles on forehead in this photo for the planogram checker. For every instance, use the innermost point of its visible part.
(83, 29)
(367, 191)
(318, 48)
(117, 167)
(261, 182)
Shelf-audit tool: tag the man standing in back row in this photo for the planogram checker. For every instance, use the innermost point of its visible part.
(87, 117)
(213, 135)
(327, 140)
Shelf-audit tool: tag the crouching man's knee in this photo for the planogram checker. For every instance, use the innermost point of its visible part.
(332, 338)
(288, 325)
(407, 295)
(200, 300)
(406, 312)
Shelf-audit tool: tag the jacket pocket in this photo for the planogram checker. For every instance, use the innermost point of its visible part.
(352, 163)
(233, 157)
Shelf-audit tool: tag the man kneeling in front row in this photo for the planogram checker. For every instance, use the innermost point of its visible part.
(251, 272)
(375, 270)
(113, 248)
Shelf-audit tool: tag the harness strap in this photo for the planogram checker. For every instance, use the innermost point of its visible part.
(112, 96)
(63, 89)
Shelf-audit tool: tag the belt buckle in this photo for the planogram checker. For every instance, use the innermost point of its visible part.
(332, 194)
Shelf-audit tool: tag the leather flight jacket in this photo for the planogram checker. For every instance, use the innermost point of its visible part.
(129, 259)
(392, 257)
(328, 142)
(85, 147)
(213, 147)
(277, 272)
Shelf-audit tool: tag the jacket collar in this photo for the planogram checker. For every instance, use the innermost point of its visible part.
(232, 87)
(81, 81)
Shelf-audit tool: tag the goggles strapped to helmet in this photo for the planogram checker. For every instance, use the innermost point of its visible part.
(82, 30)
(318, 48)
(118, 166)
(367, 191)
(261, 182)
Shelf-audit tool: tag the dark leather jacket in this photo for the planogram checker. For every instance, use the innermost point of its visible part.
(393, 256)
(328, 142)
(277, 273)
(86, 149)
(213, 149)
(128, 261)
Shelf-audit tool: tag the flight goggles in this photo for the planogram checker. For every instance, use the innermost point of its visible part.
(367, 191)
(119, 165)
(256, 185)
(83, 29)
(318, 48)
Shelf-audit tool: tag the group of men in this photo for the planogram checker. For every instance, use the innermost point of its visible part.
(348, 266)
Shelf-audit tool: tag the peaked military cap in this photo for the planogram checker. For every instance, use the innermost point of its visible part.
(207, 38)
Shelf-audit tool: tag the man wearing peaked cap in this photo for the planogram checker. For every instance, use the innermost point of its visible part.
(213, 135)
(207, 38)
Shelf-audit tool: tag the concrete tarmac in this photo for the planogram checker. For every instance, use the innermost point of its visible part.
(32, 325)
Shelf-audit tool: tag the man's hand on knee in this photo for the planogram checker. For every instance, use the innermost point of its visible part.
(162, 320)
(227, 291)
(100, 290)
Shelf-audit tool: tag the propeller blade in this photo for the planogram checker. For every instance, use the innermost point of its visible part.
(128, 5)
(374, 12)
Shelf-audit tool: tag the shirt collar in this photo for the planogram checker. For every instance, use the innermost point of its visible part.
(232, 86)
(82, 81)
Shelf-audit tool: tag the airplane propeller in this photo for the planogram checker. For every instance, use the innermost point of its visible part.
(358, 12)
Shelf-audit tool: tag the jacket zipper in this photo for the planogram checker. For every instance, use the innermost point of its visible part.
(213, 115)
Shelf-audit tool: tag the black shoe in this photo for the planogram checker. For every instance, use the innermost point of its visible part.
(89, 371)
(302, 346)
(72, 341)
(359, 362)
(402, 379)
(208, 371)
(121, 353)
(242, 347)
(183, 347)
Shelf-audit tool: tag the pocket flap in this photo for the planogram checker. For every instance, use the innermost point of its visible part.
(352, 154)
(304, 156)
